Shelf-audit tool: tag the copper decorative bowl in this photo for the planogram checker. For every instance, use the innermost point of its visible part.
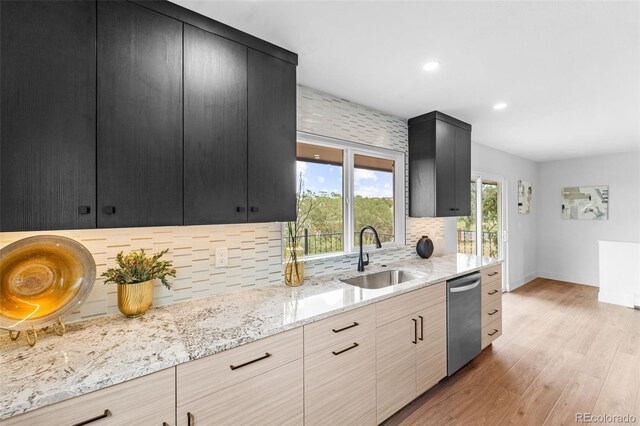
(41, 279)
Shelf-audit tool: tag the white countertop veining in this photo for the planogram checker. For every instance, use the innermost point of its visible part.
(103, 352)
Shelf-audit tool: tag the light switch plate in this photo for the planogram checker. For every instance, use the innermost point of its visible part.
(221, 257)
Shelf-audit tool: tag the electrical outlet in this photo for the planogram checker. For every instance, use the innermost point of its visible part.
(221, 257)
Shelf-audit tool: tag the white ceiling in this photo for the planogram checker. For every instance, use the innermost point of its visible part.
(569, 71)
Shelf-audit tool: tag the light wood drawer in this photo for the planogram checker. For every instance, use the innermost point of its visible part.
(491, 332)
(399, 306)
(203, 377)
(491, 312)
(271, 398)
(491, 273)
(327, 332)
(148, 400)
(340, 383)
(491, 292)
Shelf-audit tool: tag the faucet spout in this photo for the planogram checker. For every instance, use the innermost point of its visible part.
(361, 262)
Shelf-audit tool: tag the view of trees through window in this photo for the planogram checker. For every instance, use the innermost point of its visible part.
(467, 232)
(322, 173)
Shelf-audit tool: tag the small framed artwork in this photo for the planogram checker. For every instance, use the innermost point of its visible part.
(524, 197)
(585, 202)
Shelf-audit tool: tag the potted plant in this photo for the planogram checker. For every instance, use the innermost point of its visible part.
(135, 276)
(293, 250)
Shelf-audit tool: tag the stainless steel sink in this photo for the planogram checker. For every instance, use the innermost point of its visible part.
(382, 279)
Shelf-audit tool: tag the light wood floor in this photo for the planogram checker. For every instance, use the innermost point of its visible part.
(562, 352)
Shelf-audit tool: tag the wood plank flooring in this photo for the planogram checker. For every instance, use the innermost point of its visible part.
(561, 353)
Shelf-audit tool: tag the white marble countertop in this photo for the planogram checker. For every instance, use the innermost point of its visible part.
(103, 352)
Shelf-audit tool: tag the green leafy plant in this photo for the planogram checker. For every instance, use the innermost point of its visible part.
(137, 267)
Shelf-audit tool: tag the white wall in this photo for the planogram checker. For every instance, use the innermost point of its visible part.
(521, 247)
(568, 249)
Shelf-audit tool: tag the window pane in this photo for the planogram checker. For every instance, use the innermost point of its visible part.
(320, 226)
(373, 204)
(489, 218)
(467, 227)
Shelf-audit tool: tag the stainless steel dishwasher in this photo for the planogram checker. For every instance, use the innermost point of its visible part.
(463, 321)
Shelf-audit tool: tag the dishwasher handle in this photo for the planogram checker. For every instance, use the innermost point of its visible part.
(464, 288)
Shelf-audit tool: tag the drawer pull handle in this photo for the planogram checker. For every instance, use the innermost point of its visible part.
(415, 331)
(355, 345)
(495, 311)
(355, 324)
(491, 293)
(265, 356)
(493, 273)
(190, 419)
(104, 415)
(494, 332)
(421, 327)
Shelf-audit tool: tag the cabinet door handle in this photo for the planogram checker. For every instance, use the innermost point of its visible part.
(457, 209)
(491, 293)
(355, 324)
(191, 421)
(355, 345)
(109, 210)
(104, 415)
(492, 274)
(84, 210)
(415, 331)
(265, 356)
(452, 209)
(255, 209)
(421, 327)
(494, 332)
(240, 209)
(495, 311)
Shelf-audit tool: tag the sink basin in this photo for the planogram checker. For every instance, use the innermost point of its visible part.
(382, 279)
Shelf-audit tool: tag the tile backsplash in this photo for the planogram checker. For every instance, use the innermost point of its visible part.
(254, 250)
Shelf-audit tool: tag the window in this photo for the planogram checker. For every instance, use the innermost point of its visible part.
(344, 187)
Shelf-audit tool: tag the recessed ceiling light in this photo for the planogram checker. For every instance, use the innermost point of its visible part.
(316, 156)
(501, 105)
(431, 66)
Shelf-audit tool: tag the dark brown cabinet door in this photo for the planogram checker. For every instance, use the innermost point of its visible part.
(47, 115)
(445, 169)
(463, 172)
(139, 117)
(272, 138)
(215, 129)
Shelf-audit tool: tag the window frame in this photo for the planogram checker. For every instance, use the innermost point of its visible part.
(349, 150)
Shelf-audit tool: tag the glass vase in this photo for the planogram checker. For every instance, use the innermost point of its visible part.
(293, 266)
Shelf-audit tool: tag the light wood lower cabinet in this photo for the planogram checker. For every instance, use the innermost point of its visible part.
(431, 351)
(412, 350)
(148, 400)
(491, 304)
(259, 383)
(396, 366)
(340, 383)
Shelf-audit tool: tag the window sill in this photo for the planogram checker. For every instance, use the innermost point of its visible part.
(369, 249)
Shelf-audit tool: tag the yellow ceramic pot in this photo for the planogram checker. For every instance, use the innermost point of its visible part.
(135, 299)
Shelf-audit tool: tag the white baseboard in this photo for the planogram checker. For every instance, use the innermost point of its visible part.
(519, 282)
(565, 277)
(617, 298)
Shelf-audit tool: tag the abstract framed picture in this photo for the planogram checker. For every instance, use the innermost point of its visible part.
(524, 197)
(585, 203)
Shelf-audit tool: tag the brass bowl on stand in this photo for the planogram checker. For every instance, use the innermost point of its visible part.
(42, 278)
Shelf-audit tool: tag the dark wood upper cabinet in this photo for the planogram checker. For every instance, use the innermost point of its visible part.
(140, 113)
(47, 115)
(139, 134)
(215, 129)
(439, 166)
(272, 138)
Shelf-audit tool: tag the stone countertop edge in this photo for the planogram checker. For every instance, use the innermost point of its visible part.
(95, 354)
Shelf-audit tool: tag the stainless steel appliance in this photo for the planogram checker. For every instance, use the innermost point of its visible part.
(463, 321)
